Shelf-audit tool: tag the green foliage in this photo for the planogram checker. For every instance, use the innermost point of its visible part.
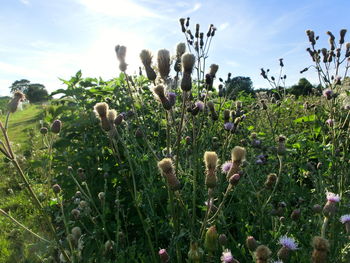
(34, 92)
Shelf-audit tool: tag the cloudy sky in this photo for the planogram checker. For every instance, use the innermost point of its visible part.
(43, 40)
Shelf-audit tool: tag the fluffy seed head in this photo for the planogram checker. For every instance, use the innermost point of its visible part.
(17, 98)
(163, 63)
(146, 57)
(188, 61)
(159, 91)
(101, 109)
(180, 50)
(319, 243)
(210, 159)
(166, 166)
(262, 253)
(76, 232)
(121, 52)
(213, 69)
(111, 115)
(238, 154)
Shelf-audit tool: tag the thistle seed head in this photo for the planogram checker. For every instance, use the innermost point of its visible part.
(210, 160)
(146, 57)
(188, 61)
(238, 154)
(163, 63)
(180, 50)
(101, 109)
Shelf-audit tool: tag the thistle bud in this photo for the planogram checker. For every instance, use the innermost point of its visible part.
(226, 115)
(163, 255)
(213, 69)
(56, 126)
(222, 240)
(43, 130)
(295, 215)
(56, 188)
(75, 213)
(180, 50)
(234, 179)
(251, 243)
(109, 245)
(119, 119)
(101, 196)
(342, 36)
(211, 239)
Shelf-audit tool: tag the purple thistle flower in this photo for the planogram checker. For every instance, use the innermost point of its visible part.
(226, 256)
(163, 254)
(228, 126)
(200, 105)
(259, 161)
(172, 98)
(330, 122)
(288, 242)
(345, 219)
(328, 93)
(331, 197)
(226, 167)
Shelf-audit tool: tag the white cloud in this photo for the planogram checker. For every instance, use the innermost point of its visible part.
(25, 2)
(223, 26)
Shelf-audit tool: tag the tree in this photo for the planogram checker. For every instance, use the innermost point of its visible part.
(238, 84)
(303, 88)
(34, 92)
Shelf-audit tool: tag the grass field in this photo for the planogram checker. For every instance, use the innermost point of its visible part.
(13, 198)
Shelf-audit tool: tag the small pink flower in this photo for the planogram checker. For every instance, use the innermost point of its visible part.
(345, 219)
(226, 256)
(331, 197)
(288, 242)
(163, 254)
(330, 122)
(200, 105)
(228, 126)
(226, 167)
(328, 93)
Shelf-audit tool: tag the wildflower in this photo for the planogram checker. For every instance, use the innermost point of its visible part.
(331, 197)
(213, 113)
(199, 105)
(321, 248)
(288, 244)
(163, 63)
(226, 256)
(180, 50)
(225, 168)
(228, 126)
(262, 254)
(237, 157)
(330, 122)
(18, 97)
(234, 179)
(213, 69)
(211, 239)
(172, 98)
(163, 254)
(295, 214)
(345, 219)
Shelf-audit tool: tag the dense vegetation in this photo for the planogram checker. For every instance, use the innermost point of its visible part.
(165, 167)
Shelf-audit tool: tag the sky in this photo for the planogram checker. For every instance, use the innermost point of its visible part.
(44, 40)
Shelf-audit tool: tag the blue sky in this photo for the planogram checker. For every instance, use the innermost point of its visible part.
(43, 40)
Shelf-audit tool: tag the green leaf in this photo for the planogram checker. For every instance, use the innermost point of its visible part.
(309, 118)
